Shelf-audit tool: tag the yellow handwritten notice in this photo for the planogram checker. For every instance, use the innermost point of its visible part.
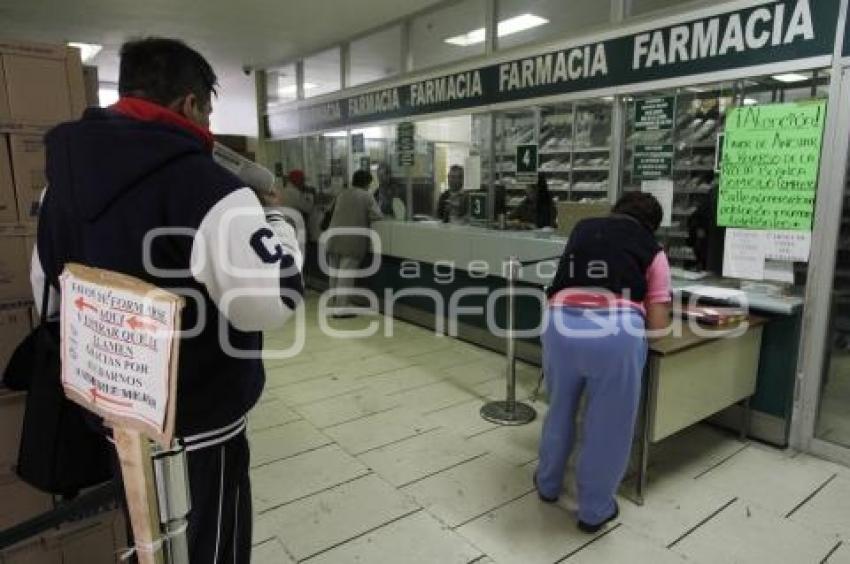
(771, 157)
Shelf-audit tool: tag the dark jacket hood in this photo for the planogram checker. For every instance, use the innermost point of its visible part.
(105, 154)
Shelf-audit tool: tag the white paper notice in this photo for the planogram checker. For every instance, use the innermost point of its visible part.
(743, 254)
(788, 246)
(117, 348)
(663, 192)
(779, 271)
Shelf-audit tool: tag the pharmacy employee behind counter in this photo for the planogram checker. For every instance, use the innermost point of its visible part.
(613, 283)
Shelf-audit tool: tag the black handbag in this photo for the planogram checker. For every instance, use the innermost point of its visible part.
(60, 450)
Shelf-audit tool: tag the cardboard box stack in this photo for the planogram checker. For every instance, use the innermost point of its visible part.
(40, 87)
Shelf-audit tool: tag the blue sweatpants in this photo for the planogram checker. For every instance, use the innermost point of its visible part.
(597, 355)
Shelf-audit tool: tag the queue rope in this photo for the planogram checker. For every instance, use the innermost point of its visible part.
(94, 501)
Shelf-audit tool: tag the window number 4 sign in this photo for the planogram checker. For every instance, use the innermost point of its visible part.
(526, 164)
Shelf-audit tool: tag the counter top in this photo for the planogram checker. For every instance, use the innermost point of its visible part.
(722, 291)
(471, 248)
(482, 250)
(687, 338)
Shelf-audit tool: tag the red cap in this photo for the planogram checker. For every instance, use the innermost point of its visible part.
(296, 177)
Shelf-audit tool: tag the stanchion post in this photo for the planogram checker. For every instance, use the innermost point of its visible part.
(175, 503)
(510, 411)
(510, 345)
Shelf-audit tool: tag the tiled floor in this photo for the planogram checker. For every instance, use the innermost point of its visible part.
(371, 450)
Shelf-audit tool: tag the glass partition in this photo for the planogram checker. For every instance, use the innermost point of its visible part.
(687, 153)
(448, 34)
(539, 21)
(326, 162)
(280, 86)
(322, 73)
(376, 56)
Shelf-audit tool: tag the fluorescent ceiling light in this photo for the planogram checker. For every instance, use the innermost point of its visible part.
(367, 133)
(291, 89)
(790, 77)
(505, 27)
(88, 51)
(465, 40)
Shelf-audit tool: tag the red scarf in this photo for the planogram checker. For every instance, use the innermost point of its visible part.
(143, 110)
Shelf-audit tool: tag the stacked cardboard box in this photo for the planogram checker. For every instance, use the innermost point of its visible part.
(94, 540)
(40, 87)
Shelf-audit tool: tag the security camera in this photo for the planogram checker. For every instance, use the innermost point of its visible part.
(246, 70)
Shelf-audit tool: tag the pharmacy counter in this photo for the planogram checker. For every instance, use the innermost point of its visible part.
(449, 276)
(471, 249)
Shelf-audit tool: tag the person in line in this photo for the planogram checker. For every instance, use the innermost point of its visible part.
(613, 278)
(537, 208)
(114, 177)
(297, 195)
(353, 207)
(453, 204)
(386, 191)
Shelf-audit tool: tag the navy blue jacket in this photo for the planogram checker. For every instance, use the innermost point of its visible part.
(607, 253)
(113, 181)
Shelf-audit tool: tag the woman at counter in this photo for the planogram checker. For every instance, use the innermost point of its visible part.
(537, 208)
(612, 284)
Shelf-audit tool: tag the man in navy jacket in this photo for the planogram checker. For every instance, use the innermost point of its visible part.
(134, 189)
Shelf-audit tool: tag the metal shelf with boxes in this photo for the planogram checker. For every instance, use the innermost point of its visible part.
(693, 141)
(682, 149)
(574, 149)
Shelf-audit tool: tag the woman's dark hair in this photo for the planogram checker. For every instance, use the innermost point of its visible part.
(642, 207)
(361, 179)
(164, 70)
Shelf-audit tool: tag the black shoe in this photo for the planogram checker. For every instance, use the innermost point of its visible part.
(593, 529)
(542, 497)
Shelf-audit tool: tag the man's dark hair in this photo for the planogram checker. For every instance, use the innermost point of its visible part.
(361, 179)
(164, 70)
(642, 207)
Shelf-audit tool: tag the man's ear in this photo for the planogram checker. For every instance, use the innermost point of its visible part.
(189, 106)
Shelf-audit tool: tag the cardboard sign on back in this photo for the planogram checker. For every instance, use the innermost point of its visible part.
(119, 349)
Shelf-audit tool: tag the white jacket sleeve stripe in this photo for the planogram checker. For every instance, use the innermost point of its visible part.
(251, 267)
